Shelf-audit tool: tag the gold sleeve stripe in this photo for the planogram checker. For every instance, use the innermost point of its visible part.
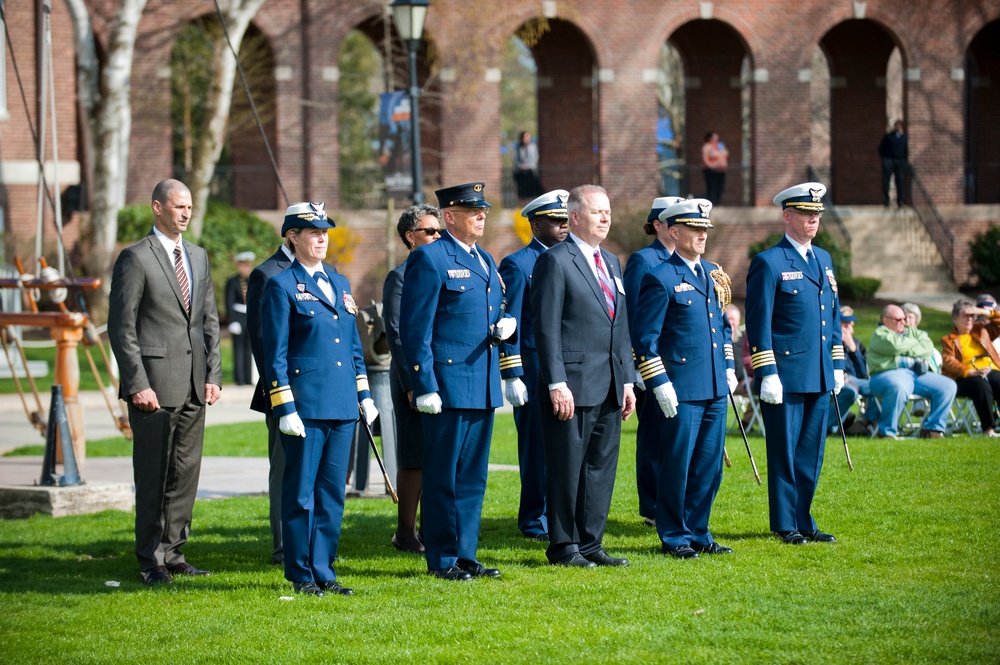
(729, 351)
(650, 368)
(838, 352)
(281, 396)
(510, 362)
(363, 382)
(762, 359)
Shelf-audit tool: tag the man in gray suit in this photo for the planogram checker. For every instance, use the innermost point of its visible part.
(164, 331)
(585, 379)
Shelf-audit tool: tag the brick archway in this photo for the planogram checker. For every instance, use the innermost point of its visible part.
(568, 98)
(858, 53)
(713, 54)
(982, 98)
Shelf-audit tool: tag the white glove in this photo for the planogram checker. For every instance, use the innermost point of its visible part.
(731, 379)
(429, 403)
(838, 381)
(292, 425)
(667, 399)
(235, 328)
(505, 327)
(771, 390)
(515, 391)
(368, 407)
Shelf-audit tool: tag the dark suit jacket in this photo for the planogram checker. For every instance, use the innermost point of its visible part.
(392, 294)
(576, 339)
(156, 342)
(234, 298)
(277, 263)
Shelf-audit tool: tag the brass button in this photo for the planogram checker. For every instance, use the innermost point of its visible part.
(824, 323)
(338, 363)
(311, 312)
(711, 316)
(824, 338)
(795, 290)
(491, 308)
(714, 345)
(449, 361)
(337, 340)
(463, 288)
(786, 353)
(416, 368)
(296, 371)
(684, 360)
(489, 290)
(713, 329)
(689, 302)
(822, 306)
(335, 316)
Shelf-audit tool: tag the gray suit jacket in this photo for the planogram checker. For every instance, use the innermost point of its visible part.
(577, 340)
(156, 343)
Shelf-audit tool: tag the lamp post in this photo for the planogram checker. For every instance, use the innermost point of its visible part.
(409, 16)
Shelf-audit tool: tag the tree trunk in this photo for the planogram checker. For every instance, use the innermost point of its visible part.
(106, 103)
(212, 135)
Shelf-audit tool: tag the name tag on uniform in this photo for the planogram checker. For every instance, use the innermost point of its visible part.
(459, 274)
(302, 297)
(790, 276)
(621, 287)
(682, 287)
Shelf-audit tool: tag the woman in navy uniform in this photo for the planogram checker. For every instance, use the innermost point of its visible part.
(315, 377)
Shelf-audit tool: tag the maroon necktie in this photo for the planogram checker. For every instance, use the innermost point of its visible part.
(609, 293)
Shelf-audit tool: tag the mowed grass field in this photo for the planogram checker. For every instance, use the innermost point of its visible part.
(913, 578)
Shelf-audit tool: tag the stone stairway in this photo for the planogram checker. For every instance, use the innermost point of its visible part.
(892, 245)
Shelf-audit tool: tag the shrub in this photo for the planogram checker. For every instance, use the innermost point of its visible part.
(985, 260)
(858, 289)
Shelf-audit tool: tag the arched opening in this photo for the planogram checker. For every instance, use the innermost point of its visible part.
(243, 175)
(518, 106)
(568, 97)
(374, 111)
(982, 95)
(718, 98)
(863, 92)
(670, 121)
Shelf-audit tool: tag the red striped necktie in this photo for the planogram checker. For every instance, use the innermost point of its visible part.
(609, 293)
(182, 278)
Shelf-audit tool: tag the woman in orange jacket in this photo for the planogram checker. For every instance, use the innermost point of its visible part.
(970, 358)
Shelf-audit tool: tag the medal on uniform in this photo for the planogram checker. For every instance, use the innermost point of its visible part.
(349, 304)
(300, 287)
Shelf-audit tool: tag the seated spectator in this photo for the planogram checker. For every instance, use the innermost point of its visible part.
(988, 302)
(900, 364)
(971, 360)
(855, 377)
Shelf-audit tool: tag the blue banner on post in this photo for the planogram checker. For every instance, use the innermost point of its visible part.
(395, 154)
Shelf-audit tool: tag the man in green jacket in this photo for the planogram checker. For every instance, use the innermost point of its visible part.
(901, 362)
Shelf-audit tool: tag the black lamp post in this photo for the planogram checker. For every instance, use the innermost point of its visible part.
(409, 17)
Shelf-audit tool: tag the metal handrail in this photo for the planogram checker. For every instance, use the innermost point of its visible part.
(931, 218)
(831, 210)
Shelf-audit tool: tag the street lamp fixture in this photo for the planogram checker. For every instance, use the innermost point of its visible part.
(409, 16)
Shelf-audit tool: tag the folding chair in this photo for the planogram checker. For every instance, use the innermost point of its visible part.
(963, 417)
(909, 424)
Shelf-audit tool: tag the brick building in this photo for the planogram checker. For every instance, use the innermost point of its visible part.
(747, 74)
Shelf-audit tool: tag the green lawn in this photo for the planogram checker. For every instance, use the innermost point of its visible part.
(912, 580)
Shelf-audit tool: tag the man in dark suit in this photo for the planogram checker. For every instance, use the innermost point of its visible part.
(793, 326)
(236, 310)
(684, 350)
(894, 153)
(450, 330)
(277, 263)
(647, 435)
(519, 361)
(585, 379)
(164, 331)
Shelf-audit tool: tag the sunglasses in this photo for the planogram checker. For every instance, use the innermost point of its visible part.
(429, 232)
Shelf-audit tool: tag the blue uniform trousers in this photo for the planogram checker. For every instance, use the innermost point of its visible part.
(312, 498)
(647, 451)
(690, 470)
(531, 518)
(456, 459)
(796, 440)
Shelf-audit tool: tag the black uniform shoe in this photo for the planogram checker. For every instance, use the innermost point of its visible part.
(819, 536)
(310, 588)
(602, 558)
(680, 552)
(452, 574)
(158, 575)
(574, 560)
(711, 548)
(791, 537)
(479, 570)
(334, 587)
